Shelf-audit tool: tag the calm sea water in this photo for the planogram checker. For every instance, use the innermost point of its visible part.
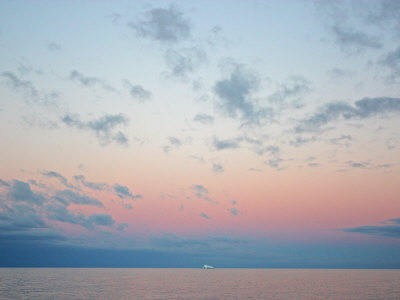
(113, 284)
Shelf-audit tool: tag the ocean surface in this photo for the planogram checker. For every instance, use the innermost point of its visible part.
(59, 283)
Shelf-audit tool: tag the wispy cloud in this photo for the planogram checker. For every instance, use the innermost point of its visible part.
(362, 109)
(105, 127)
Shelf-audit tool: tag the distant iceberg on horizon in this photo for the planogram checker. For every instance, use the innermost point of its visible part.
(208, 267)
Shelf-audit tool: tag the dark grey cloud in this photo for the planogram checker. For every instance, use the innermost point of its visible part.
(62, 214)
(105, 127)
(20, 217)
(124, 192)
(138, 92)
(235, 95)
(97, 186)
(217, 168)
(390, 228)
(166, 25)
(67, 196)
(62, 179)
(225, 144)
(89, 81)
(363, 109)
(353, 40)
(205, 216)
(21, 191)
(183, 61)
(30, 92)
(204, 119)
(200, 191)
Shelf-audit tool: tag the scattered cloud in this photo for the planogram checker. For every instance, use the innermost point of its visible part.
(30, 92)
(204, 119)
(234, 95)
(62, 179)
(390, 228)
(234, 211)
(185, 60)
(205, 216)
(138, 92)
(201, 192)
(103, 127)
(363, 109)
(165, 25)
(218, 168)
(67, 197)
(392, 61)
(124, 192)
(21, 191)
(353, 40)
(88, 81)
(292, 92)
(54, 47)
(97, 186)
(225, 144)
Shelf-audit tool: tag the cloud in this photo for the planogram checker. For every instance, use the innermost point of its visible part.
(204, 119)
(392, 61)
(275, 158)
(67, 196)
(62, 179)
(201, 192)
(89, 81)
(218, 168)
(363, 109)
(337, 73)
(103, 127)
(300, 141)
(54, 47)
(234, 95)
(97, 186)
(184, 60)
(353, 40)
(124, 192)
(62, 214)
(138, 92)
(234, 211)
(165, 25)
(292, 91)
(4, 183)
(390, 228)
(28, 89)
(225, 144)
(205, 216)
(21, 191)
(343, 138)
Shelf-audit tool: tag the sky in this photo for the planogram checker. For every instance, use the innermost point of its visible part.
(177, 134)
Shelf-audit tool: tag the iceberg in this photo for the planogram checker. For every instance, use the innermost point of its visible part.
(208, 267)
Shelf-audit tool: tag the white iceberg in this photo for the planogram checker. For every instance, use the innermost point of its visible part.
(208, 267)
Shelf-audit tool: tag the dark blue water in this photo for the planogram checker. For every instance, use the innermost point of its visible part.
(198, 284)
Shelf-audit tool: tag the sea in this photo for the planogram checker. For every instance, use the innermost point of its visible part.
(76, 283)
